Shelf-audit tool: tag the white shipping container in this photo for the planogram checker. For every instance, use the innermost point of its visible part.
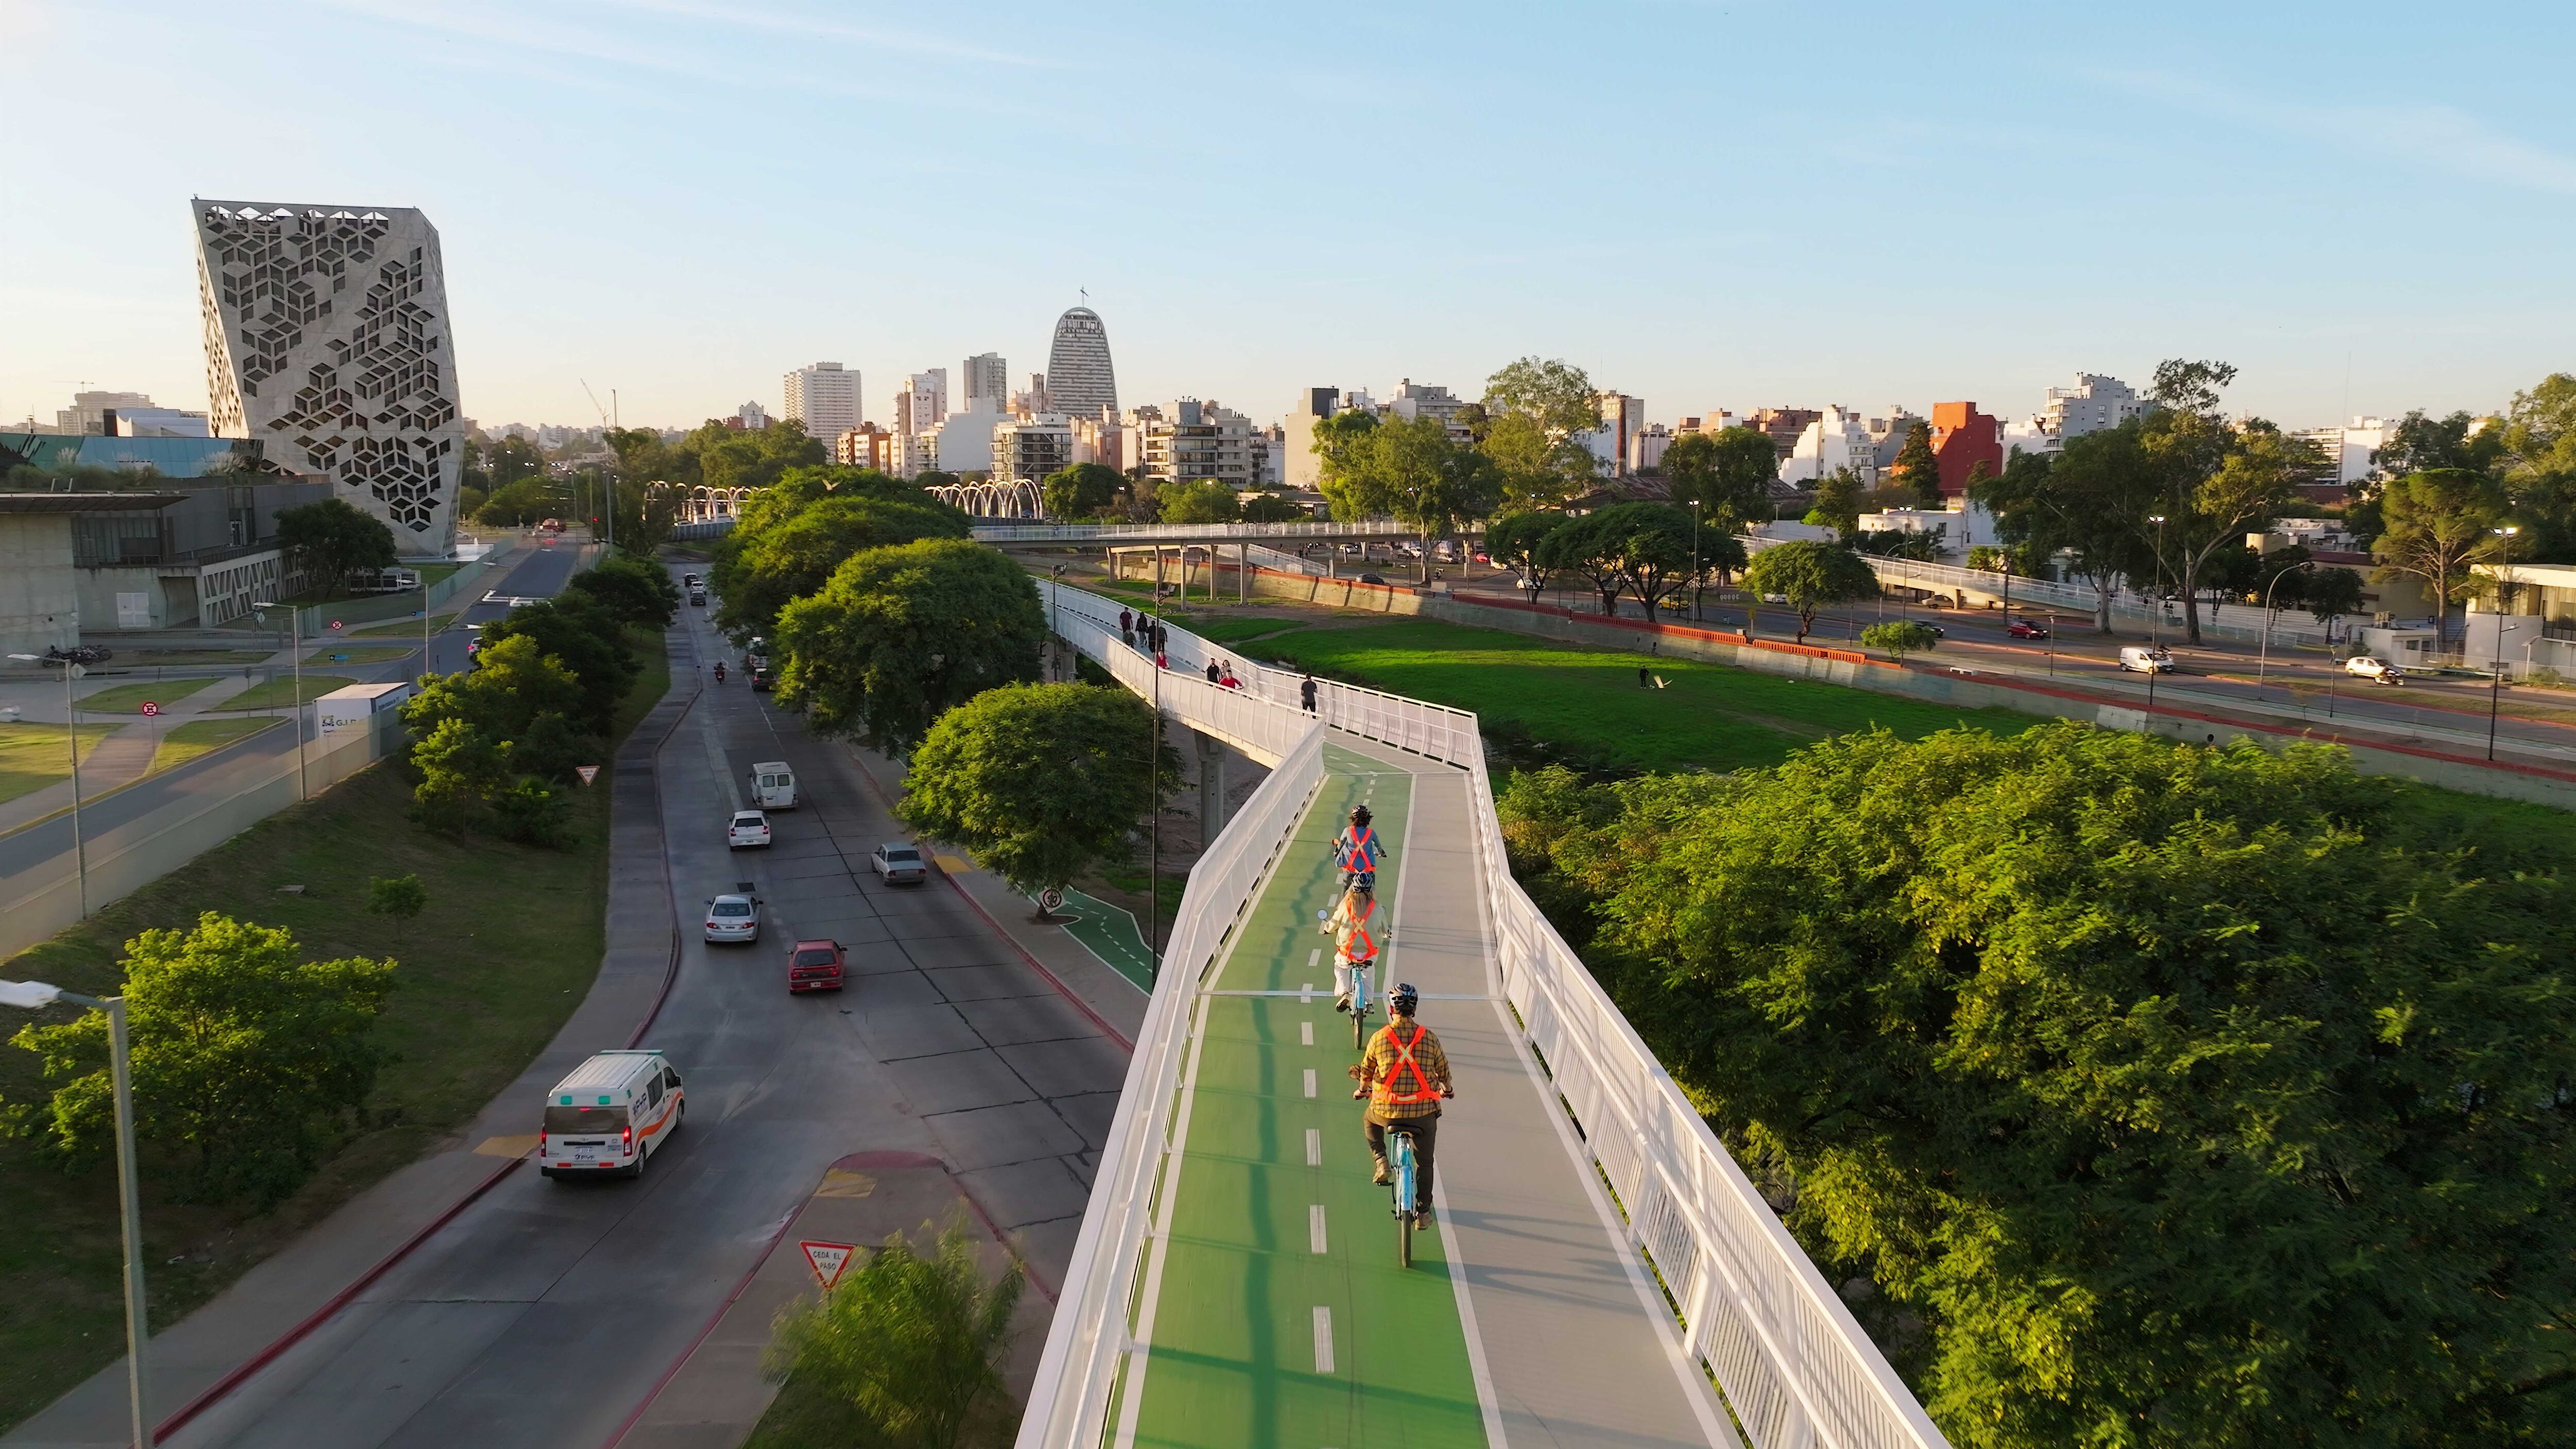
(349, 709)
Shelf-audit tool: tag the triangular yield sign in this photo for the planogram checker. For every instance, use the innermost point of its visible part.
(588, 773)
(827, 1260)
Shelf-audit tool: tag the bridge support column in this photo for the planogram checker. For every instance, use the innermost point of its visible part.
(1243, 571)
(1211, 752)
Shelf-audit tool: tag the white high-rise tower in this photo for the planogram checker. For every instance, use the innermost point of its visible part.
(826, 396)
(1080, 381)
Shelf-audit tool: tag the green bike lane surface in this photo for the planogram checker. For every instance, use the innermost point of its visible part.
(1274, 1155)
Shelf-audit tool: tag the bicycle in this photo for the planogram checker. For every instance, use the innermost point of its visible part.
(1399, 1164)
(1360, 972)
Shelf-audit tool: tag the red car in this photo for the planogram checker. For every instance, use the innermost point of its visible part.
(815, 966)
(2027, 629)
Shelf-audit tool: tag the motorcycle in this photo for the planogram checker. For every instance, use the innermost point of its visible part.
(83, 654)
(719, 673)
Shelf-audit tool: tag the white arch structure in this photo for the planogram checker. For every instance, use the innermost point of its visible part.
(1018, 498)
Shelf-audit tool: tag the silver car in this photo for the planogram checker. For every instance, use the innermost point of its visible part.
(733, 919)
(899, 863)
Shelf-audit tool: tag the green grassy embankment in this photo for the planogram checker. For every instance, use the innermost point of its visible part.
(34, 755)
(127, 698)
(1589, 705)
(184, 742)
(278, 692)
(507, 947)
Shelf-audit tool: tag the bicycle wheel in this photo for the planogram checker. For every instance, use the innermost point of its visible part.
(1404, 1239)
(1359, 1024)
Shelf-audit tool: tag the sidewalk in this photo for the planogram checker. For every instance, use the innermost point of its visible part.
(117, 759)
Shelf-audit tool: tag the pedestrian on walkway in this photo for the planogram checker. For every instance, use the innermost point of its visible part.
(1127, 627)
(1211, 671)
(1226, 679)
(1404, 1075)
(1351, 925)
(1162, 637)
(1161, 661)
(1306, 691)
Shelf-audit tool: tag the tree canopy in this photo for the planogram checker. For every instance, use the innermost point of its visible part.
(636, 590)
(788, 545)
(1518, 541)
(2437, 525)
(1919, 467)
(1196, 500)
(244, 1058)
(901, 635)
(1810, 576)
(1039, 782)
(2169, 1097)
(587, 639)
(1084, 490)
(1729, 473)
(1837, 503)
(1527, 424)
(1412, 470)
(331, 539)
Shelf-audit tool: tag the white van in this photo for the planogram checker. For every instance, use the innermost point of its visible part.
(773, 785)
(2146, 661)
(610, 1116)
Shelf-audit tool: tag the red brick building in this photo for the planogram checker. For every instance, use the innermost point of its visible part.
(1963, 437)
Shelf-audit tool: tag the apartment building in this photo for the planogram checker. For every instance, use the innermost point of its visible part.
(825, 397)
(865, 446)
(1200, 439)
(1032, 447)
(988, 383)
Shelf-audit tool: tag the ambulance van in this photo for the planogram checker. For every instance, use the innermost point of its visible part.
(610, 1116)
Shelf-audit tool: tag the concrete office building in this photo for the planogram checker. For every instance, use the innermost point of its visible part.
(988, 383)
(1032, 401)
(1031, 448)
(1428, 400)
(326, 339)
(128, 415)
(2351, 454)
(1081, 383)
(825, 397)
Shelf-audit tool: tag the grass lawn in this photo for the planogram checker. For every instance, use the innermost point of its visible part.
(359, 653)
(468, 1016)
(1587, 701)
(1234, 630)
(184, 742)
(279, 692)
(127, 698)
(33, 756)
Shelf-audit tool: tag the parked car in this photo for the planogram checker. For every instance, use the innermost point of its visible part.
(2134, 659)
(815, 966)
(733, 918)
(2376, 670)
(2027, 629)
(899, 863)
(749, 827)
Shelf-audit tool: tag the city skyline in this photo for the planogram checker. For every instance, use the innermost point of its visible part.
(2093, 199)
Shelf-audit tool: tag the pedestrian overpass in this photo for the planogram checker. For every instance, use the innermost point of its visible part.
(1601, 1273)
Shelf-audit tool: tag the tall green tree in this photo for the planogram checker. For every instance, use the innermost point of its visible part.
(2420, 444)
(1728, 473)
(1553, 393)
(1197, 500)
(1039, 782)
(2536, 456)
(1528, 423)
(1084, 490)
(908, 1346)
(586, 638)
(1837, 502)
(2089, 505)
(1589, 546)
(329, 540)
(1919, 466)
(902, 635)
(1415, 472)
(1272, 508)
(246, 1060)
(1810, 577)
(2440, 524)
(2219, 477)
(1651, 545)
(1518, 541)
(636, 590)
(788, 548)
(2168, 1097)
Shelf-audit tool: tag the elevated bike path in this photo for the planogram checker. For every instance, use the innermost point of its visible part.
(1274, 1311)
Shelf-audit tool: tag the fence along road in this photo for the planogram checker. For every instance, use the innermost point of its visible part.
(1225, 1274)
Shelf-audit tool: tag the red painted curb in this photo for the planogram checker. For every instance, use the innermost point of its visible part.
(670, 882)
(243, 1372)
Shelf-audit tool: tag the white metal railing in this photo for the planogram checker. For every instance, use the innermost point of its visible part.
(1281, 561)
(1793, 1362)
(1091, 1351)
(1147, 532)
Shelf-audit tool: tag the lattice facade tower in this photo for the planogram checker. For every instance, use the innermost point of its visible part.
(1080, 381)
(326, 335)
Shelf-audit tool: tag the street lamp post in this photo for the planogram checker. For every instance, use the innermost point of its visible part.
(2495, 683)
(2156, 606)
(71, 734)
(35, 994)
(1695, 505)
(2264, 659)
(295, 646)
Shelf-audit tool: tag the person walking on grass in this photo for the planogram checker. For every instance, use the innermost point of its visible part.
(1404, 1075)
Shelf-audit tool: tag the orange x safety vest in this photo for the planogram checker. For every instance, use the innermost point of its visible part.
(1387, 1092)
(1359, 945)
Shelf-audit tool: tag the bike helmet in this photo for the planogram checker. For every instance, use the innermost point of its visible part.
(1403, 998)
(1359, 815)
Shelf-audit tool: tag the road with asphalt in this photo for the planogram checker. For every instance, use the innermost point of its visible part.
(545, 1313)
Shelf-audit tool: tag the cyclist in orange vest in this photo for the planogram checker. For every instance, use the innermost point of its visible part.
(1404, 1075)
(1354, 928)
(1357, 851)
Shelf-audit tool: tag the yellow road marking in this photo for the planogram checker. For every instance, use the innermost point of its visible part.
(506, 1146)
(837, 1183)
(953, 862)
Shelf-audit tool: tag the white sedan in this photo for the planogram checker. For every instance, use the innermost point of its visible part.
(899, 863)
(2375, 670)
(749, 827)
(734, 918)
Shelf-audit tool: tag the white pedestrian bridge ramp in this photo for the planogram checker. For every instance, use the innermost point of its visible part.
(1600, 1272)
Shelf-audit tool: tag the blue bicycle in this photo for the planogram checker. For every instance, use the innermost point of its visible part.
(1399, 1164)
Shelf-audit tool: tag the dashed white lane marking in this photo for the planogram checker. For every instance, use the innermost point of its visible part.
(1315, 1227)
(1314, 958)
(1314, 1147)
(1306, 991)
(1305, 1033)
(1323, 1339)
(1310, 1081)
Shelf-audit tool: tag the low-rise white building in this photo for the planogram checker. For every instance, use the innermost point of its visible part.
(1837, 440)
(1959, 529)
(965, 440)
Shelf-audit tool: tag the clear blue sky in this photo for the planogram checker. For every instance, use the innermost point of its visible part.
(1705, 205)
